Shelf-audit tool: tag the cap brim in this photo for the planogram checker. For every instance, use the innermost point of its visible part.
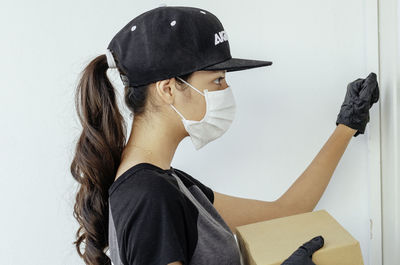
(237, 64)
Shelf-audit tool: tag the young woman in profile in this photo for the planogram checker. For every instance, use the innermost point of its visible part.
(172, 61)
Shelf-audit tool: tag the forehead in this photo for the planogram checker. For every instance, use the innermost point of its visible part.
(214, 72)
(207, 74)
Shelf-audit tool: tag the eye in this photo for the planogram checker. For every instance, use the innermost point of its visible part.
(219, 78)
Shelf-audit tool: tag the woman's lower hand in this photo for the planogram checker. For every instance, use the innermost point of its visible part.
(360, 96)
(303, 255)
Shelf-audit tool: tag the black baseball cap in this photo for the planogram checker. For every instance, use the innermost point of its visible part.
(170, 41)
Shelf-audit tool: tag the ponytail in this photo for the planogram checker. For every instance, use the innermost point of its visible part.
(97, 158)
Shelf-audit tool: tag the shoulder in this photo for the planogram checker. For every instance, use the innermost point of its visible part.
(147, 186)
(149, 195)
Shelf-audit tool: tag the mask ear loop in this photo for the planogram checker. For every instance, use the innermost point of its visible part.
(191, 86)
(175, 109)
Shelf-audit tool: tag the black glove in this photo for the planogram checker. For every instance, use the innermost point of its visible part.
(361, 95)
(303, 255)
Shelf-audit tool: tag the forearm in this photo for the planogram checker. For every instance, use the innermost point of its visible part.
(304, 194)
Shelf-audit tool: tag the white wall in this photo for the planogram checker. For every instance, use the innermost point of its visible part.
(389, 17)
(285, 112)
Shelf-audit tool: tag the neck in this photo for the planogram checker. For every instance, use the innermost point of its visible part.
(154, 141)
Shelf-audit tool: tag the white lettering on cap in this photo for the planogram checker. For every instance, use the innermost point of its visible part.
(220, 37)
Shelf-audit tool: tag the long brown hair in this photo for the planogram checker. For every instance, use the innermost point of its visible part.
(98, 153)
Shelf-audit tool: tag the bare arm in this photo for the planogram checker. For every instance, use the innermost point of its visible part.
(304, 194)
(301, 197)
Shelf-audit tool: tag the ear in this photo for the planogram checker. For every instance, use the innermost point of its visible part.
(165, 90)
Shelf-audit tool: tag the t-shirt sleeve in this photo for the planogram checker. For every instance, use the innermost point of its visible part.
(204, 188)
(158, 231)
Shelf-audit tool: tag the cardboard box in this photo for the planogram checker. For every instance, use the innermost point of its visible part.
(271, 242)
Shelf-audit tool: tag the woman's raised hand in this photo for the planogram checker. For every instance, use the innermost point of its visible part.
(361, 95)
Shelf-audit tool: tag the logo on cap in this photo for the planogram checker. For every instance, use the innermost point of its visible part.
(220, 37)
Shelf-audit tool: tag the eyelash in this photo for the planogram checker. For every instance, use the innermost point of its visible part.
(219, 79)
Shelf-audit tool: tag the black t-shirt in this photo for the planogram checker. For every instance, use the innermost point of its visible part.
(159, 216)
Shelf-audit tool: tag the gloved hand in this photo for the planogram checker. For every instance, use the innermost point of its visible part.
(361, 95)
(303, 255)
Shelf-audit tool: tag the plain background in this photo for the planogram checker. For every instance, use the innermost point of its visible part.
(285, 112)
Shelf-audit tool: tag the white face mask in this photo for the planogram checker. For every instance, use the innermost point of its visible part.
(220, 112)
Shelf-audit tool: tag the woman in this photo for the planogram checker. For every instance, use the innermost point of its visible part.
(172, 61)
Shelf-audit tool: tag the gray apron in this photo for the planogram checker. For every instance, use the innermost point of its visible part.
(216, 243)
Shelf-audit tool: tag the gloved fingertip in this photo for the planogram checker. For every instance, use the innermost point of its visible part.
(372, 75)
(318, 241)
(321, 238)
